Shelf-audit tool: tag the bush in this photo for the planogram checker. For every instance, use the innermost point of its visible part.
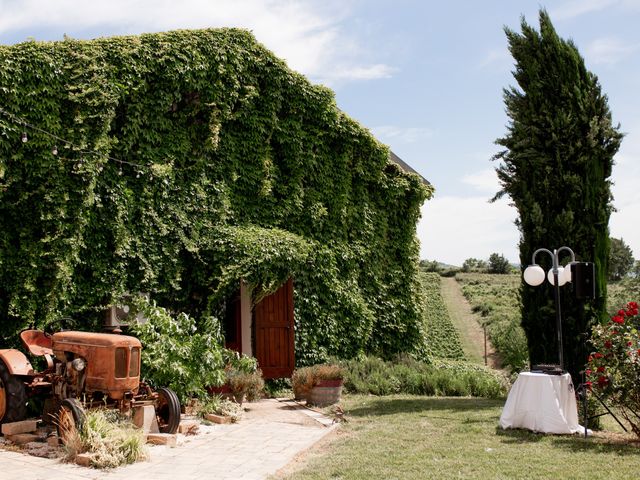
(614, 365)
(248, 386)
(218, 405)
(371, 375)
(305, 378)
(497, 299)
(108, 439)
(176, 354)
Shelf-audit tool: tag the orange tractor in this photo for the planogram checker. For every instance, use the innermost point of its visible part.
(84, 370)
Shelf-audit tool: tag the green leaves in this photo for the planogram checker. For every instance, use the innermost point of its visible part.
(195, 159)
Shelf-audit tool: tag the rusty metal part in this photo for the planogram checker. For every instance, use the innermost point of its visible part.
(16, 362)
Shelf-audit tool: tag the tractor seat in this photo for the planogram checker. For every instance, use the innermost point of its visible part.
(37, 342)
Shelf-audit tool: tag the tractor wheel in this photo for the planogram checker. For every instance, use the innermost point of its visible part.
(13, 397)
(167, 411)
(70, 419)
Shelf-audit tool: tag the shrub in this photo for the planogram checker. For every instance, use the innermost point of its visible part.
(302, 382)
(249, 386)
(614, 365)
(497, 299)
(176, 353)
(305, 378)
(108, 439)
(371, 375)
(218, 405)
(442, 338)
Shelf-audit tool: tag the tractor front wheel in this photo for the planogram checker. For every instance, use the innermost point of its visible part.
(70, 419)
(13, 397)
(167, 411)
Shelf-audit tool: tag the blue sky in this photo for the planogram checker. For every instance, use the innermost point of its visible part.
(425, 77)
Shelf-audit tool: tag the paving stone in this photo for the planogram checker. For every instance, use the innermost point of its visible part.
(83, 459)
(22, 438)
(14, 428)
(188, 427)
(212, 417)
(168, 439)
(270, 435)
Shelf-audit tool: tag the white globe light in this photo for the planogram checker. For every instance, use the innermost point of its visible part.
(561, 278)
(533, 275)
(567, 273)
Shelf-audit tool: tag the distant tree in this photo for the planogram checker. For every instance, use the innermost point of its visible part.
(556, 163)
(498, 264)
(620, 260)
(635, 271)
(474, 265)
(430, 266)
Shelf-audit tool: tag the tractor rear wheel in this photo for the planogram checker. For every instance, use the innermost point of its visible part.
(13, 397)
(167, 410)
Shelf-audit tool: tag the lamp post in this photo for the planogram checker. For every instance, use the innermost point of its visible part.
(534, 275)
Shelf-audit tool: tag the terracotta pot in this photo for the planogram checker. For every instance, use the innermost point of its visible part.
(325, 393)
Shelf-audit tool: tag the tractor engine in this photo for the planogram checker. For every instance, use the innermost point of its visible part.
(68, 380)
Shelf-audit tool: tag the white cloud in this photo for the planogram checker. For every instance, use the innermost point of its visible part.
(497, 58)
(393, 134)
(453, 229)
(625, 221)
(576, 8)
(307, 34)
(485, 181)
(609, 51)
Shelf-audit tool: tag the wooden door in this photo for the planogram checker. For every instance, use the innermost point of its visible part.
(232, 327)
(274, 333)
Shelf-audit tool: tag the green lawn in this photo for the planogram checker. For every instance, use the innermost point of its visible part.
(413, 437)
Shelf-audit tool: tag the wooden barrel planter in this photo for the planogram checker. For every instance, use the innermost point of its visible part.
(325, 393)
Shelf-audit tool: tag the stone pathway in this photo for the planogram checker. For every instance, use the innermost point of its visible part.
(270, 434)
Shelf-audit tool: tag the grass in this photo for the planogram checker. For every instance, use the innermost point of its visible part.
(109, 440)
(410, 437)
(442, 337)
(496, 298)
(440, 377)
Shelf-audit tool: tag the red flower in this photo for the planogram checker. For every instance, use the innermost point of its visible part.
(629, 344)
(600, 369)
(639, 351)
(588, 385)
(618, 319)
(633, 305)
(602, 381)
(622, 313)
(608, 344)
(590, 357)
(588, 372)
(598, 355)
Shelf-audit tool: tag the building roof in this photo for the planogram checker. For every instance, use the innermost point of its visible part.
(405, 166)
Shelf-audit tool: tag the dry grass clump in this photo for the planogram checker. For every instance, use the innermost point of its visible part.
(109, 440)
(219, 406)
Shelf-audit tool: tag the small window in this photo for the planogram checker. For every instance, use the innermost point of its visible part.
(121, 362)
(134, 365)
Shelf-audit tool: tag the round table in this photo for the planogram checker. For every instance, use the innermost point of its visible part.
(542, 403)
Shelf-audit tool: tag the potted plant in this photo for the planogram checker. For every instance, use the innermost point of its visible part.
(302, 382)
(245, 386)
(327, 385)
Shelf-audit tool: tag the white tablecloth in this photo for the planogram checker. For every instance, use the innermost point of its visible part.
(542, 403)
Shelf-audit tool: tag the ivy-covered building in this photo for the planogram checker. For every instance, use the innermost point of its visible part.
(197, 167)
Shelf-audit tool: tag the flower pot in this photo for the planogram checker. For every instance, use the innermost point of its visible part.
(325, 393)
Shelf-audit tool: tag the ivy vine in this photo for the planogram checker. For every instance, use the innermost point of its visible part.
(191, 160)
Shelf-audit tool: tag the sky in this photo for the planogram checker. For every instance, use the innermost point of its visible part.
(425, 77)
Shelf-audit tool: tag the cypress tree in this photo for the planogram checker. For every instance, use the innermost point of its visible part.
(555, 167)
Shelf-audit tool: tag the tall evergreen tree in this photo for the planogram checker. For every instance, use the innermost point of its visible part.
(555, 167)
